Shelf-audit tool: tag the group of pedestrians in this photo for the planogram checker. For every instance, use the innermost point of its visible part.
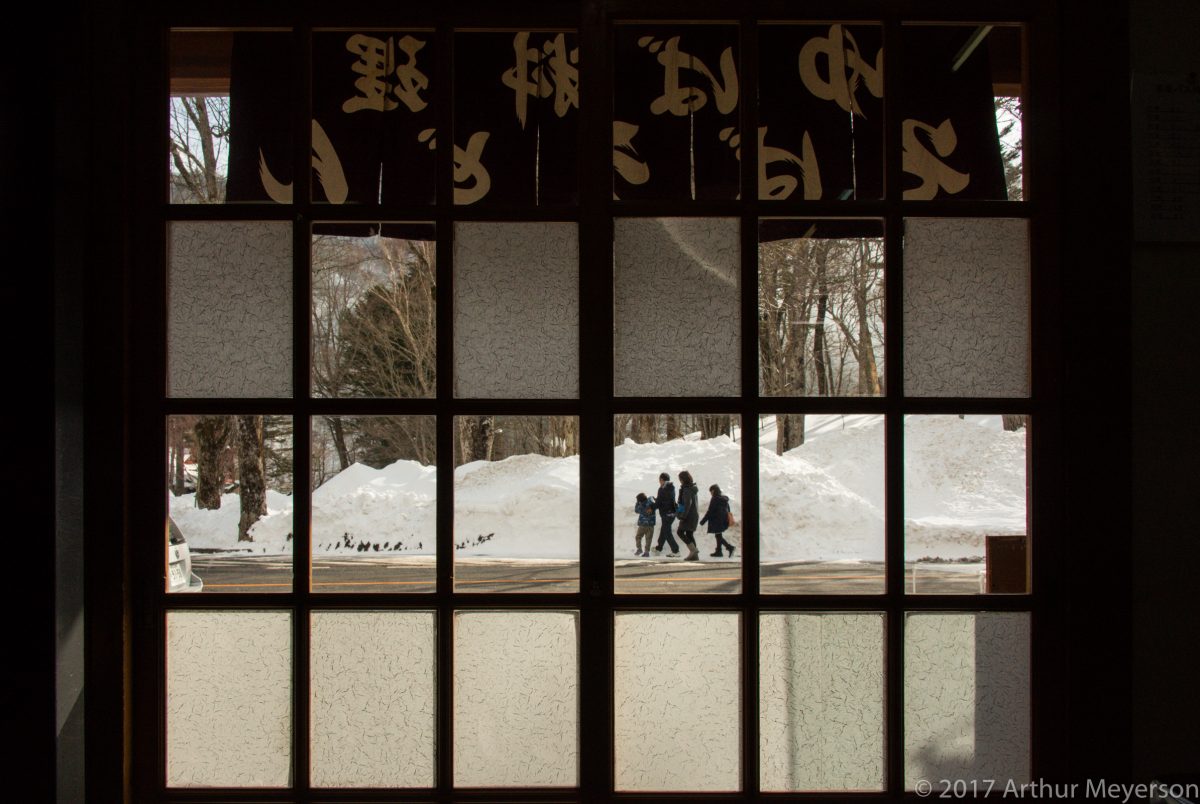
(685, 509)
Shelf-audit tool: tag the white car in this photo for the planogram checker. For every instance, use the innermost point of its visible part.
(180, 577)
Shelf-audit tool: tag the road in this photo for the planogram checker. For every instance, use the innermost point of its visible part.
(639, 576)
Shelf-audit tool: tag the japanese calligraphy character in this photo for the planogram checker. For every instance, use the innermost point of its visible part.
(468, 167)
(783, 185)
(625, 157)
(563, 74)
(531, 76)
(376, 61)
(325, 162)
(847, 67)
(409, 80)
(681, 100)
(518, 79)
(920, 162)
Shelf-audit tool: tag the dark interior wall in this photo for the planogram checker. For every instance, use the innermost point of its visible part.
(1166, 448)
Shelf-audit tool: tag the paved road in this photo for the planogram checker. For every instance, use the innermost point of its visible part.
(639, 576)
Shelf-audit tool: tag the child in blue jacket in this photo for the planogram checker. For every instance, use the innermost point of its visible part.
(644, 508)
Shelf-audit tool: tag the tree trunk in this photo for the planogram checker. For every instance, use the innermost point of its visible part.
(339, 441)
(643, 429)
(1014, 423)
(868, 370)
(175, 433)
(789, 431)
(211, 434)
(712, 426)
(477, 438)
(674, 431)
(252, 487)
(620, 423)
(820, 349)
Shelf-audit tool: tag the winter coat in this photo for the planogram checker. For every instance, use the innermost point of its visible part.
(691, 512)
(645, 512)
(665, 501)
(717, 515)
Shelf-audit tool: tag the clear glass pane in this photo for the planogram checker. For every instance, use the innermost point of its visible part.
(961, 93)
(821, 503)
(966, 697)
(820, 126)
(374, 503)
(229, 484)
(229, 315)
(374, 117)
(373, 699)
(659, 462)
(516, 699)
(516, 117)
(676, 128)
(229, 101)
(229, 698)
(677, 699)
(821, 713)
(820, 308)
(374, 310)
(518, 338)
(677, 295)
(516, 504)
(966, 307)
(966, 489)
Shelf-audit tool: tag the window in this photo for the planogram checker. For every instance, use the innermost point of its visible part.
(430, 340)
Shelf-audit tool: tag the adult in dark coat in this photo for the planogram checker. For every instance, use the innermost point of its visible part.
(690, 515)
(717, 517)
(665, 504)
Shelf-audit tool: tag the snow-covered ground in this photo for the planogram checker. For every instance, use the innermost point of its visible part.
(823, 500)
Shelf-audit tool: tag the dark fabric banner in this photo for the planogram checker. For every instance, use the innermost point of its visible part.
(820, 112)
(260, 115)
(951, 147)
(676, 133)
(516, 118)
(373, 102)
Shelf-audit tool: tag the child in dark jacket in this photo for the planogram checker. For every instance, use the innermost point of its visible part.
(717, 518)
(644, 508)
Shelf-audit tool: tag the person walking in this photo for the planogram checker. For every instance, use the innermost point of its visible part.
(644, 507)
(717, 517)
(665, 503)
(689, 515)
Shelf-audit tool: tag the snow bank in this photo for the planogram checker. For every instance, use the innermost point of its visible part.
(823, 500)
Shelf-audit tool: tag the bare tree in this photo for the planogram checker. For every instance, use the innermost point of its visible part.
(212, 436)
(252, 487)
(199, 147)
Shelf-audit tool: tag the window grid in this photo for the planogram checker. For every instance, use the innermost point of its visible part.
(595, 408)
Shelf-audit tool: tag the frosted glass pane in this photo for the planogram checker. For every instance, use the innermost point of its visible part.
(677, 701)
(516, 699)
(229, 320)
(821, 702)
(966, 697)
(373, 705)
(966, 307)
(229, 698)
(677, 296)
(518, 337)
